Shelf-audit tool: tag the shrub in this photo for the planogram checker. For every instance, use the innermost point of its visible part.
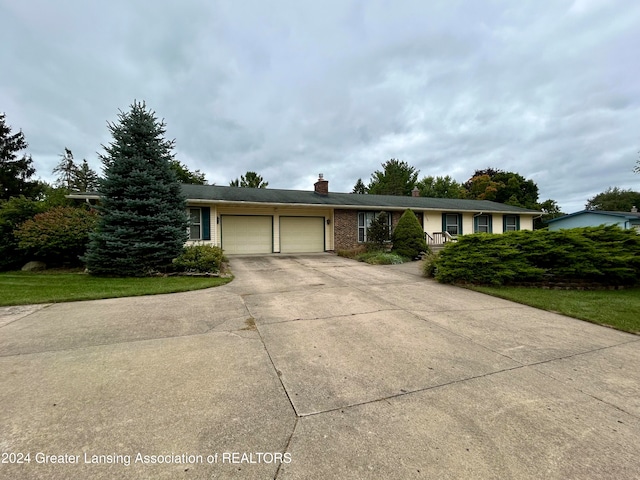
(351, 252)
(408, 237)
(200, 259)
(380, 258)
(607, 255)
(59, 235)
(13, 213)
(378, 232)
(429, 268)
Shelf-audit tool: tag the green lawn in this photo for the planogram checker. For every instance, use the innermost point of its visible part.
(20, 288)
(617, 308)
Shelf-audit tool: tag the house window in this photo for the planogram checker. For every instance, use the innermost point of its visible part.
(364, 222)
(482, 224)
(195, 224)
(452, 223)
(511, 223)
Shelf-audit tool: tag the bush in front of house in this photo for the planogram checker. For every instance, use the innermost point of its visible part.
(378, 233)
(58, 236)
(351, 252)
(408, 236)
(199, 259)
(605, 255)
(380, 258)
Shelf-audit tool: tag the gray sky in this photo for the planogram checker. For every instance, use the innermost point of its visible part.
(546, 88)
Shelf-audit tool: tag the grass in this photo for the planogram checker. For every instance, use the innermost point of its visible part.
(21, 288)
(615, 308)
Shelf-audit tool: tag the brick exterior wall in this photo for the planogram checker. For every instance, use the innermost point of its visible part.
(346, 227)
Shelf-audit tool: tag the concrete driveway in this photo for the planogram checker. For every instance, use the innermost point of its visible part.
(315, 367)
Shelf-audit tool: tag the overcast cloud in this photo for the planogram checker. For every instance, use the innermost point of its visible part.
(548, 89)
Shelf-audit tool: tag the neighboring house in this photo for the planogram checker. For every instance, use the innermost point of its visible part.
(593, 218)
(267, 220)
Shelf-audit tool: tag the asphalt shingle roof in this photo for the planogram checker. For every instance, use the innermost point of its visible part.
(627, 215)
(218, 194)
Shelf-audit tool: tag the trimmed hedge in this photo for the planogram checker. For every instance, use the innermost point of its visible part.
(605, 255)
(408, 236)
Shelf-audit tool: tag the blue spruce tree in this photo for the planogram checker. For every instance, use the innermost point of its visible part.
(143, 222)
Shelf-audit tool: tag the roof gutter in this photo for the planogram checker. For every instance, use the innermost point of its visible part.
(340, 207)
(304, 205)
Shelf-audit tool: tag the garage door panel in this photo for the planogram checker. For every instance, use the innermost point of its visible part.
(301, 234)
(247, 233)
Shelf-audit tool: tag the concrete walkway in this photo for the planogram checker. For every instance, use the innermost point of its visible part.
(315, 367)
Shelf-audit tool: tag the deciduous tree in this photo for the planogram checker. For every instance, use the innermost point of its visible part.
(13, 213)
(57, 236)
(441, 187)
(184, 175)
(503, 187)
(614, 200)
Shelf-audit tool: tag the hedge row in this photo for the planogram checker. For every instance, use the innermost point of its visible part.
(605, 255)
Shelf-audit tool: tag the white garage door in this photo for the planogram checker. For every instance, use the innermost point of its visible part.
(246, 233)
(301, 234)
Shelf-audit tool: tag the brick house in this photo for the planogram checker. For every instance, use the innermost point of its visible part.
(253, 220)
(257, 220)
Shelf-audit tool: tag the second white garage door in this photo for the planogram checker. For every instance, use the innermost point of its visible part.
(301, 234)
(247, 233)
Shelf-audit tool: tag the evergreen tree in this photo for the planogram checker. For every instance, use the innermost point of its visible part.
(85, 179)
(143, 222)
(72, 177)
(359, 187)
(378, 232)
(249, 180)
(66, 170)
(398, 178)
(408, 236)
(15, 172)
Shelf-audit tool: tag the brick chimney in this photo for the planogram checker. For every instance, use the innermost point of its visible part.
(321, 187)
(415, 192)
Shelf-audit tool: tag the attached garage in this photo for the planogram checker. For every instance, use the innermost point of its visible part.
(301, 234)
(246, 233)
